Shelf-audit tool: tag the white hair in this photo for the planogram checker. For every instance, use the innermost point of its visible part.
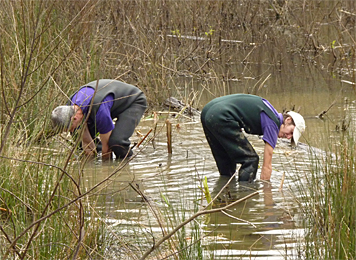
(61, 116)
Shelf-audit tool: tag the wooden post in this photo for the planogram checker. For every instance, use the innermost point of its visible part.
(169, 136)
(155, 122)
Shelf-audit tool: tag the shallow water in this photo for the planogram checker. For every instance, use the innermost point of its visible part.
(266, 226)
(270, 223)
(272, 215)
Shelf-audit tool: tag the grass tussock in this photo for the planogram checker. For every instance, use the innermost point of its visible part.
(330, 197)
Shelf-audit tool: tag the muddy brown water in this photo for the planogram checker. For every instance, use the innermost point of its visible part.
(266, 226)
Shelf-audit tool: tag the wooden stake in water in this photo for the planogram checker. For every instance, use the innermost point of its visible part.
(169, 136)
(155, 122)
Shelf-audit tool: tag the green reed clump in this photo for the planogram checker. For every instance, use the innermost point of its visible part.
(41, 216)
(330, 198)
(186, 242)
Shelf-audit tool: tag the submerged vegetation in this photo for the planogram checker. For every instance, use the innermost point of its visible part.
(183, 48)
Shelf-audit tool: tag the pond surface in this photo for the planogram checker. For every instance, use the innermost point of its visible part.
(269, 225)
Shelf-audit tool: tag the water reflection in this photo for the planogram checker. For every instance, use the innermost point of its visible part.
(256, 227)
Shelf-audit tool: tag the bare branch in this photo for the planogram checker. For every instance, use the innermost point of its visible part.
(325, 111)
(203, 212)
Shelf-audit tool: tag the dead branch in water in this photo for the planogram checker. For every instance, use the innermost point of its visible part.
(199, 213)
(143, 139)
(325, 111)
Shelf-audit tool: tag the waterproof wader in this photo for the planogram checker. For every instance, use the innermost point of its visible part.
(223, 119)
(126, 122)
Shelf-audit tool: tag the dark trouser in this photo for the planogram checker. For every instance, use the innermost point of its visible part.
(119, 141)
(229, 145)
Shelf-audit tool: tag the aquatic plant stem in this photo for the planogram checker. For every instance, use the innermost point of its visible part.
(221, 190)
(203, 212)
(155, 212)
(169, 136)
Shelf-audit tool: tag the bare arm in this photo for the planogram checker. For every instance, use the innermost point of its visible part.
(106, 152)
(267, 163)
(88, 142)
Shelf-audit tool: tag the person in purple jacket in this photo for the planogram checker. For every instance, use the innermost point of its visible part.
(223, 119)
(98, 103)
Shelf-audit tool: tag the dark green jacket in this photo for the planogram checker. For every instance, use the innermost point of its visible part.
(245, 109)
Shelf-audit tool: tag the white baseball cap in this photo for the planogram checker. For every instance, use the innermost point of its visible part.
(299, 126)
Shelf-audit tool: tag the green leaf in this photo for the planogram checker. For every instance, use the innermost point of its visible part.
(206, 190)
(165, 200)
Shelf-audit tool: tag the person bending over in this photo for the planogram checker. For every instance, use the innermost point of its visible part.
(100, 102)
(223, 119)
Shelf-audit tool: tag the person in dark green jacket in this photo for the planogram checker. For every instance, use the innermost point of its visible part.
(100, 102)
(224, 120)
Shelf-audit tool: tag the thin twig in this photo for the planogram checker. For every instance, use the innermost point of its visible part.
(203, 212)
(222, 189)
(325, 111)
(57, 184)
(263, 82)
(239, 219)
(155, 212)
(59, 88)
(9, 240)
(144, 138)
(190, 245)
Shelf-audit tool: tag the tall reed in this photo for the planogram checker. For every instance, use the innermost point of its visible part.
(43, 216)
(329, 200)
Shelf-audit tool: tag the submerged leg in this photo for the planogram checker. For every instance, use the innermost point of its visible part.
(125, 125)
